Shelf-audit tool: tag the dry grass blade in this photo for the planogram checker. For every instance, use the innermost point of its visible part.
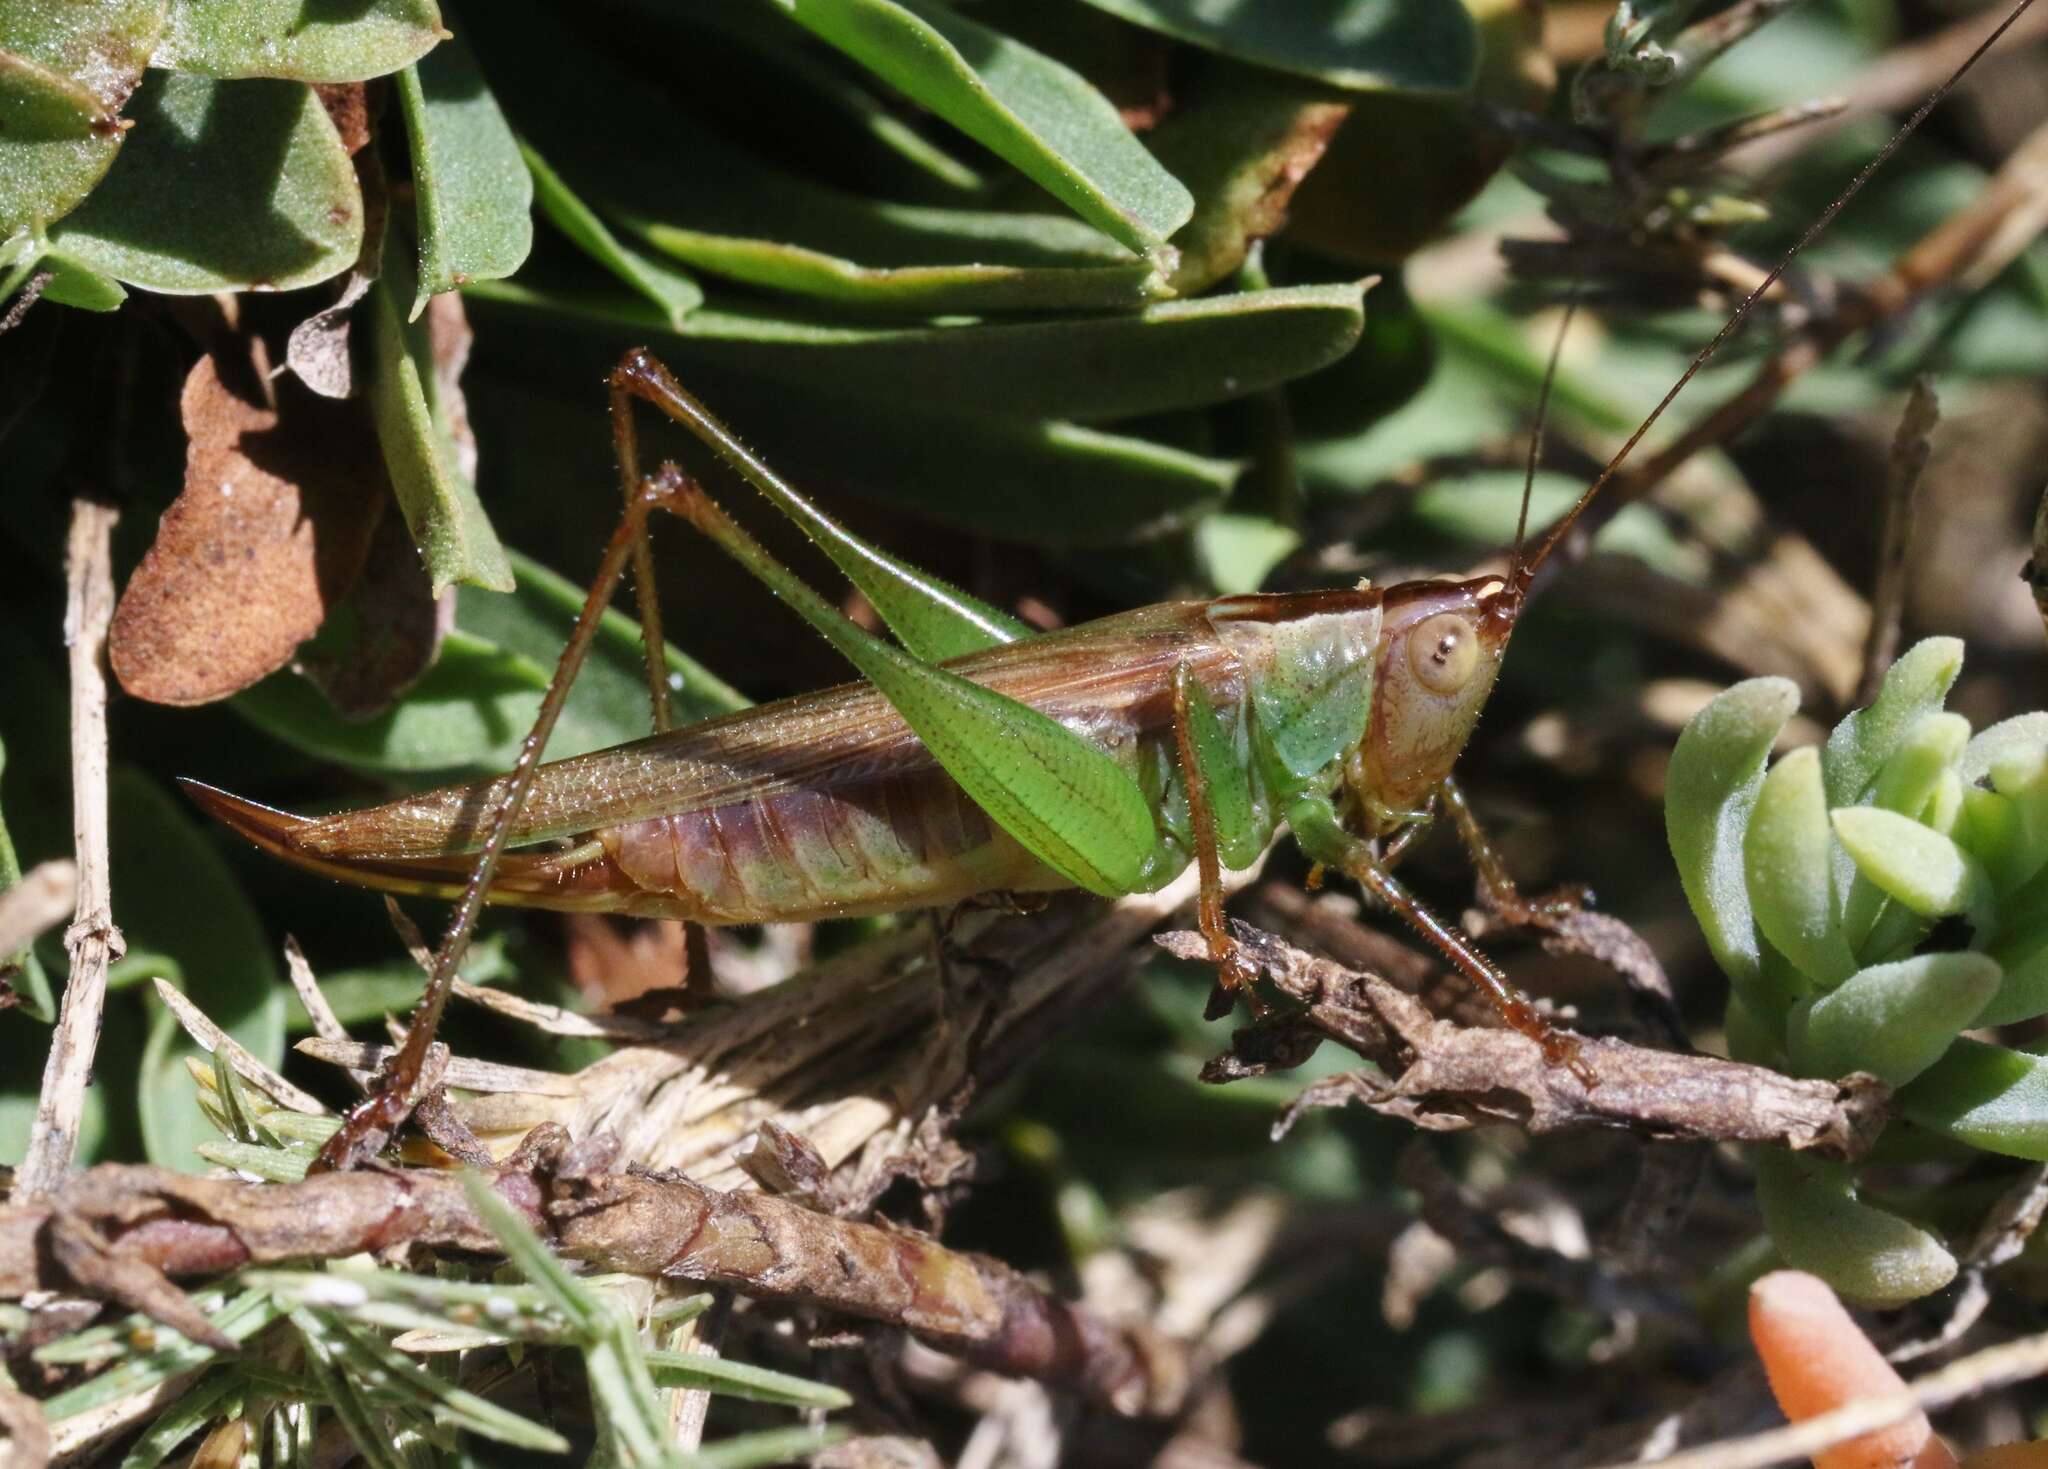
(215, 1041)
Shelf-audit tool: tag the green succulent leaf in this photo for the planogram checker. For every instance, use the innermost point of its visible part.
(1717, 771)
(1990, 1097)
(2019, 777)
(1788, 867)
(1894, 1020)
(2022, 731)
(2022, 958)
(74, 283)
(669, 290)
(1033, 112)
(1178, 354)
(56, 140)
(65, 71)
(1920, 867)
(1913, 688)
(1365, 45)
(441, 508)
(221, 186)
(1868, 1254)
(474, 193)
(1909, 778)
(473, 707)
(297, 41)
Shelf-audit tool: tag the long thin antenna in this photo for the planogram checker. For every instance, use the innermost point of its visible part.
(1518, 573)
(1556, 534)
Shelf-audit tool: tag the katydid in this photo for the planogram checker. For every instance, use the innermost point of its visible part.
(972, 757)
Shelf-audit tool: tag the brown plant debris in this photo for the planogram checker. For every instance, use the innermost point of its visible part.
(145, 1220)
(1443, 1076)
(271, 529)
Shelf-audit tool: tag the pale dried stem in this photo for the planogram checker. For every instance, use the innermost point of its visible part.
(93, 940)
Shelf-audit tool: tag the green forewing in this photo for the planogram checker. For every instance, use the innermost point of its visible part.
(1065, 801)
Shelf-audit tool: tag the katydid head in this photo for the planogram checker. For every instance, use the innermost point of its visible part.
(1441, 644)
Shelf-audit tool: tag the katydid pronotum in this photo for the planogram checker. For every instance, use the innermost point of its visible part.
(973, 757)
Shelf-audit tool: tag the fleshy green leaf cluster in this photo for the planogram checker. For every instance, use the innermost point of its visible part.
(1870, 900)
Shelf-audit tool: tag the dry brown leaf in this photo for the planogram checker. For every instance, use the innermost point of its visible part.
(270, 530)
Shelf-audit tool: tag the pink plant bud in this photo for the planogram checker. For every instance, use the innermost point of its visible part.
(1818, 1360)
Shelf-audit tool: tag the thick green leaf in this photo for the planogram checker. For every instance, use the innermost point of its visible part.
(1990, 1097)
(1818, 1224)
(1716, 772)
(1369, 45)
(683, 189)
(177, 896)
(474, 196)
(1894, 1020)
(65, 71)
(2022, 731)
(56, 140)
(74, 283)
(292, 39)
(1913, 688)
(2022, 958)
(668, 289)
(475, 705)
(221, 186)
(1033, 112)
(1177, 354)
(441, 508)
(882, 143)
(1920, 867)
(1788, 869)
(984, 284)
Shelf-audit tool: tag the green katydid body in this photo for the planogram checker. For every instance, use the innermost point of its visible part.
(974, 758)
(830, 804)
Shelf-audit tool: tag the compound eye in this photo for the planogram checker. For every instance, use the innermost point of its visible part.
(1443, 650)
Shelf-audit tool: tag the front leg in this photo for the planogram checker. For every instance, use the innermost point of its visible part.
(1315, 826)
(1497, 888)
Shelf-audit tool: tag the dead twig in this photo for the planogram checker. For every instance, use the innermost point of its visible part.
(93, 940)
(1442, 1076)
(770, 1249)
(1910, 450)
